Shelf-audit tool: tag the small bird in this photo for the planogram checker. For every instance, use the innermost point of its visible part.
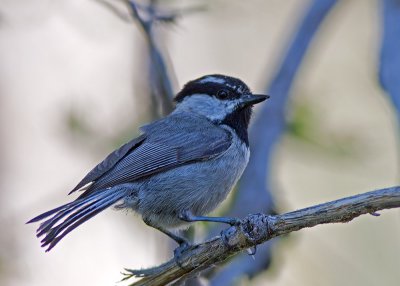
(180, 168)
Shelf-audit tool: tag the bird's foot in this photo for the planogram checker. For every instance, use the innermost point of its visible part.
(233, 221)
(183, 247)
(226, 233)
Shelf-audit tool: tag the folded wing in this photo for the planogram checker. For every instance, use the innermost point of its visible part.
(165, 144)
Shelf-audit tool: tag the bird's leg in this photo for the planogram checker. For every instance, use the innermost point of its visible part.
(179, 239)
(184, 244)
(188, 216)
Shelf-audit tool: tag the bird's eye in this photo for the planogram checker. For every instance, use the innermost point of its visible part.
(223, 93)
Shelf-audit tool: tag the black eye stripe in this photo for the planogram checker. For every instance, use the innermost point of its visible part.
(233, 86)
(212, 89)
(223, 93)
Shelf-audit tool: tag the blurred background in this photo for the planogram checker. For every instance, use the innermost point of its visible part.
(75, 83)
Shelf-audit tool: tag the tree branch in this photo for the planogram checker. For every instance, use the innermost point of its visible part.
(258, 228)
(162, 83)
(161, 76)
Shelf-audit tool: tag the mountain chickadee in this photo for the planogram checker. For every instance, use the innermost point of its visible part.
(181, 167)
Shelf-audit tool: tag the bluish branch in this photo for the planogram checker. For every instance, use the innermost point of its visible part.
(389, 73)
(160, 76)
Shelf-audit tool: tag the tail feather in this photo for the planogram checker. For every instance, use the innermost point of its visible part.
(93, 207)
(47, 226)
(48, 213)
(77, 212)
(67, 228)
(61, 212)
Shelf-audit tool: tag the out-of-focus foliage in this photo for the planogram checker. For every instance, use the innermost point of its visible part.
(305, 125)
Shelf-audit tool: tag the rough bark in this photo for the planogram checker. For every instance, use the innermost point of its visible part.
(258, 228)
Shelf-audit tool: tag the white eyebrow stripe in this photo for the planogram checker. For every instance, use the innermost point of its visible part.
(234, 87)
(239, 89)
(213, 79)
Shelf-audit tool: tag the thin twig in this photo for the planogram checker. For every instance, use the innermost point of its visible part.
(147, 17)
(162, 84)
(258, 228)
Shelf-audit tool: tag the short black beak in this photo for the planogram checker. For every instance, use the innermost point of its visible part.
(251, 99)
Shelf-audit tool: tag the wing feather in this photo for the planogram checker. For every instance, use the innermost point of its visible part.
(109, 162)
(165, 144)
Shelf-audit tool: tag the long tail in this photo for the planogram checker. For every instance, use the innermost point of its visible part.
(67, 217)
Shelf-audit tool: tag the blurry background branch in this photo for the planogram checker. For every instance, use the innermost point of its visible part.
(161, 75)
(254, 192)
(389, 72)
(258, 228)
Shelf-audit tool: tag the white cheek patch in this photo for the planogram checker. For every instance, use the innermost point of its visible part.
(231, 105)
(208, 106)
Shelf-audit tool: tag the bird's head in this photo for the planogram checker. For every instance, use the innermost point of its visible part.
(222, 99)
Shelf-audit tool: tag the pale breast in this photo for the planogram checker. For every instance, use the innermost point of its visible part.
(198, 187)
(227, 169)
